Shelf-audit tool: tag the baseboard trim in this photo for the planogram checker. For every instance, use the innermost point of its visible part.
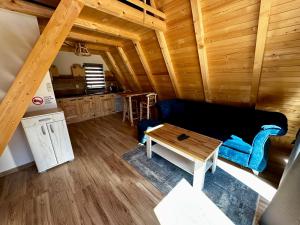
(16, 169)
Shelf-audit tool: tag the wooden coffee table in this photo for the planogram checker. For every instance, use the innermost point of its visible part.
(196, 154)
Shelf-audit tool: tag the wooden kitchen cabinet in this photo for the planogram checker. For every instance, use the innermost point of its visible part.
(71, 109)
(88, 107)
(109, 105)
(98, 105)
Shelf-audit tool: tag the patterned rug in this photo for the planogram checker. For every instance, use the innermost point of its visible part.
(234, 198)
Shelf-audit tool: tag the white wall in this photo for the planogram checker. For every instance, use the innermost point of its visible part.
(64, 61)
(18, 34)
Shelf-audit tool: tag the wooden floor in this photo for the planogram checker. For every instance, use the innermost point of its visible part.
(96, 188)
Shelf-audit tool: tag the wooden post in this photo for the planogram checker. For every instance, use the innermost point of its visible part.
(199, 33)
(262, 31)
(29, 78)
(129, 67)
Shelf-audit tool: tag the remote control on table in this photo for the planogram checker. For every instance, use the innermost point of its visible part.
(182, 137)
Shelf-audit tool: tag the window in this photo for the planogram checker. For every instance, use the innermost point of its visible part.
(94, 77)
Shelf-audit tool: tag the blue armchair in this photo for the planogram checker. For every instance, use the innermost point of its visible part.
(245, 132)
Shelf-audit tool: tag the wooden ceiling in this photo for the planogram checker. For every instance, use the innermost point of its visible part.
(241, 52)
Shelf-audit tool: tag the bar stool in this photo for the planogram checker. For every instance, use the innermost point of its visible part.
(147, 104)
(135, 109)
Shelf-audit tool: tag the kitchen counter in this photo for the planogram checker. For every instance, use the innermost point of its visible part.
(86, 95)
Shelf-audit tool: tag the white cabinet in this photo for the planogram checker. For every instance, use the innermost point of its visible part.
(48, 137)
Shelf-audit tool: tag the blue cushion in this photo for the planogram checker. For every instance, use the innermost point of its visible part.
(238, 144)
(233, 155)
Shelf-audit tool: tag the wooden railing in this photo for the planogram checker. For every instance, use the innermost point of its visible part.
(147, 9)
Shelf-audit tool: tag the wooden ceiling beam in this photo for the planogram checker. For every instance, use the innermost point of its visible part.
(93, 39)
(38, 62)
(97, 47)
(117, 69)
(123, 11)
(90, 47)
(44, 12)
(22, 6)
(104, 29)
(145, 64)
(199, 33)
(76, 35)
(262, 31)
(129, 67)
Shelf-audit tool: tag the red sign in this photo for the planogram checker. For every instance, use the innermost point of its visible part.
(37, 100)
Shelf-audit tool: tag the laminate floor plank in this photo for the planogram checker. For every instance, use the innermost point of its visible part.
(97, 188)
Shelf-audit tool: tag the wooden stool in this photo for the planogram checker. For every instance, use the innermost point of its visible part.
(150, 101)
(135, 109)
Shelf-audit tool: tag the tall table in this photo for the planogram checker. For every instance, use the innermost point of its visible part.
(196, 154)
(130, 95)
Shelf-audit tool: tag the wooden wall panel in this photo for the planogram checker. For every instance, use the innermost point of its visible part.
(280, 79)
(156, 62)
(230, 37)
(181, 41)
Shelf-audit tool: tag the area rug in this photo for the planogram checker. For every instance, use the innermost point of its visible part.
(234, 198)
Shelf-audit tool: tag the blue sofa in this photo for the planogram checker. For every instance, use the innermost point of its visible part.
(245, 132)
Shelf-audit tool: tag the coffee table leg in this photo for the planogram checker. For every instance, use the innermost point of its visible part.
(199, 174)
(215, 158)
(149, 146)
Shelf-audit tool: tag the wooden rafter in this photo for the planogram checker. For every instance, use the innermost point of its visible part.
(111, 68)
(167, 57)
(44, 12)
(129, 67)
(123, 11)
(30, 76)
(145, 64)
(199, 33)
(117, 69)
(262, 31)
